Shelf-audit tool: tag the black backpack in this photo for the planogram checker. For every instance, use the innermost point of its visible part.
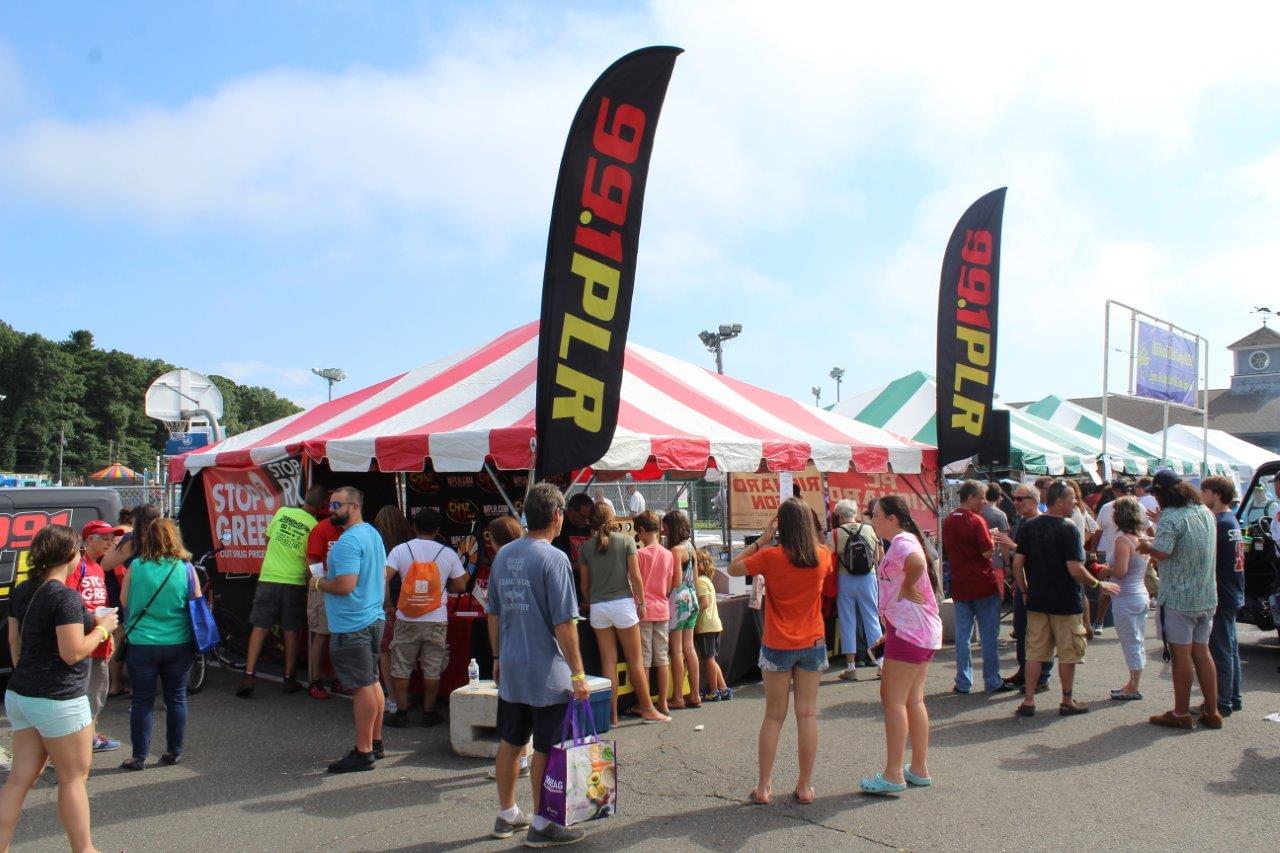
(857, 557)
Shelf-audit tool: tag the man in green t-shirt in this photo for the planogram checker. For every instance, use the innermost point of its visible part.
(281, 596)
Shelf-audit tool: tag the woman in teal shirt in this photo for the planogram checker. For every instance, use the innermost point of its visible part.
(161, 644)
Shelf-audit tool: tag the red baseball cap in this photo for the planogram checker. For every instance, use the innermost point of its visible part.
(97, 527)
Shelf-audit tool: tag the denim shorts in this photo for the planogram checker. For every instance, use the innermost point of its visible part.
(50, 717)
(811, 659)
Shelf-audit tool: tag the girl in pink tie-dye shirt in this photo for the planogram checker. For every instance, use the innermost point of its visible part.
(909, 609)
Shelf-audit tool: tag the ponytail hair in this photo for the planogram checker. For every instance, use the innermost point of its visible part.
(896, 507)
(601, 521)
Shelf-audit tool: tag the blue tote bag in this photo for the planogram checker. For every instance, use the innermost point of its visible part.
(203, 627)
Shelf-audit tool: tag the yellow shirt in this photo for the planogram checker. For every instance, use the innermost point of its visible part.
(708, 618)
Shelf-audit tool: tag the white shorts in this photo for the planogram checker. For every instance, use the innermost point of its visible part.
(619, 613)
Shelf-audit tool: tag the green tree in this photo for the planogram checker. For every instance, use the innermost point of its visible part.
(94, 398)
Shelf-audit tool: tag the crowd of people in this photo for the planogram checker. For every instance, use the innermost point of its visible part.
(648, 595)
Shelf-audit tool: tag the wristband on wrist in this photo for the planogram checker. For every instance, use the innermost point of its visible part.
(106, 635)
(582, 676)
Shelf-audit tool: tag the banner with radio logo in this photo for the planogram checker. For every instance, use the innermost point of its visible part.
(968, 309)
(18, 530)
(591, 260)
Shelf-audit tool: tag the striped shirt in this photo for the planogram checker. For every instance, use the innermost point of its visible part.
(1188, 534)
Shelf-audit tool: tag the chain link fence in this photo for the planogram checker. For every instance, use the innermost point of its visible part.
(168, 498)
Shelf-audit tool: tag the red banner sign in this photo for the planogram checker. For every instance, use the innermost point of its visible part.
(864, 488)
(241, 503)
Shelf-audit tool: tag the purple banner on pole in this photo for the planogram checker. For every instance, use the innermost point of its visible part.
(1167, 365)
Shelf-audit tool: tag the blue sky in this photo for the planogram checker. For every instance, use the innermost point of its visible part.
(256, 189)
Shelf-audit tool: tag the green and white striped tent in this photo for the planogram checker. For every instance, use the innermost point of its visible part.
(1130, 449)
(906, 407)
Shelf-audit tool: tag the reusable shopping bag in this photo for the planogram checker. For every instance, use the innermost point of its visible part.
(582, 772)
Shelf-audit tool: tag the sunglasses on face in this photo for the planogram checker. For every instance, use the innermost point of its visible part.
(337, 505)
(1023, 498)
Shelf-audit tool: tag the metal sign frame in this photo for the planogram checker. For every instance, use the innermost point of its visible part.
(1202, 369)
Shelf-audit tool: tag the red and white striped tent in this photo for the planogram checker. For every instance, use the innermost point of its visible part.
(478, 405)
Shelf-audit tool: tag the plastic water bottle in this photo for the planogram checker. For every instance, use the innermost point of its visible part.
(473, 672)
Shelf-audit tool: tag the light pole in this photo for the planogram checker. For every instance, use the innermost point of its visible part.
(330, 375)
(714, 341)
(817, 395)
(837, 373)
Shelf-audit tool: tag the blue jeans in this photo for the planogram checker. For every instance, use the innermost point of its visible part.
(170, 664)
(856, 605)
(1226, 658)
(1020, 645)
(987, 612)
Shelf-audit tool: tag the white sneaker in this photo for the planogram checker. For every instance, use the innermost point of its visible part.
(390, 705)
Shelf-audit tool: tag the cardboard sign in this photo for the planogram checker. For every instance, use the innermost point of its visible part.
(754, 498)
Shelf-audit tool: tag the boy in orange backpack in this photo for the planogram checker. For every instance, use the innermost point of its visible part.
(426, 568)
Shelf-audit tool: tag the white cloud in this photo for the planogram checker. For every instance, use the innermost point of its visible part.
(774, 122)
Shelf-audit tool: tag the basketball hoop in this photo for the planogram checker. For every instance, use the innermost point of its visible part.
(178, 396)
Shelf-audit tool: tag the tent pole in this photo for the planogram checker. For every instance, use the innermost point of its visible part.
(493, 475)
(675, 502)
(727, 550)
(1164, 435)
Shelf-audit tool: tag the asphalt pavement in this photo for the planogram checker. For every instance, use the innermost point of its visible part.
(253, 776)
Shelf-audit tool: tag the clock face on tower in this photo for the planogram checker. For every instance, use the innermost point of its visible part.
(1259, 360)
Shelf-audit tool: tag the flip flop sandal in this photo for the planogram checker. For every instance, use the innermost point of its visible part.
(1125, 697)
(878, 786)
(914, 780)
(1072, 710)
(796, 798)
(1026, 711)
(753, 799)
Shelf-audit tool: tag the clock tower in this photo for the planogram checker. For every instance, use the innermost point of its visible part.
(1257, 362)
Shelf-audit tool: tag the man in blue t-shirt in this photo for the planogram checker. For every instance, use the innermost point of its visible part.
(537, 666)
(1217, 494)
(353, 589)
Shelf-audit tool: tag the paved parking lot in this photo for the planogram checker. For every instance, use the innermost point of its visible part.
(253, 777)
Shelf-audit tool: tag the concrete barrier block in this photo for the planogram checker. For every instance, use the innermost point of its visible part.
(473, 720)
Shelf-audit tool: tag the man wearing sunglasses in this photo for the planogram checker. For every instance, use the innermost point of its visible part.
(1026, 505)
(281, 596)
(353, 587)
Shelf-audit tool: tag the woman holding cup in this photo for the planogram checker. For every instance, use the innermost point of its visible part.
(47, 698)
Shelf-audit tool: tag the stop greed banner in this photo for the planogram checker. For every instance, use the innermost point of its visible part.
(242, 502)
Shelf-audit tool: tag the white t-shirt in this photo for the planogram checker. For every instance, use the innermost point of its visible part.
(1149, 502)
(424, 551)
(636, 503)
(1107, 522)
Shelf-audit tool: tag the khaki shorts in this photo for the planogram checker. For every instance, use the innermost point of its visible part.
(316, 617)
(1045, 631)
(416, 643)
(654, 643)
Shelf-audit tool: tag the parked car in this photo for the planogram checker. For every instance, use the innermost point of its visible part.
(23, 513)
(1257, 510)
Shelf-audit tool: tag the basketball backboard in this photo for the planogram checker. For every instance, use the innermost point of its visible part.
(176, 395)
